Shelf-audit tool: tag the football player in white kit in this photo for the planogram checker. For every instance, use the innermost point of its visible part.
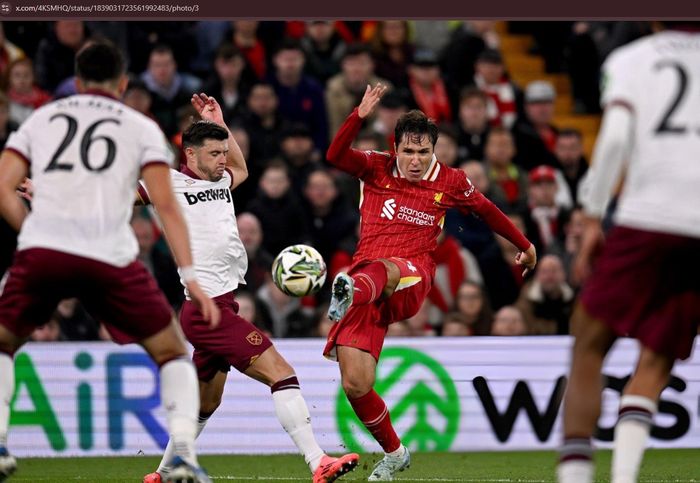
(86, 154)
(215, 166)
(644, 284)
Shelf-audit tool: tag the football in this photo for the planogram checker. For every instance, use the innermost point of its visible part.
(299, 270)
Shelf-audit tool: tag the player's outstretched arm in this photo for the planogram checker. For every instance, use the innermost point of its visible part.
(13, 171)
(160, 191)
(340, 153)
(210, 110)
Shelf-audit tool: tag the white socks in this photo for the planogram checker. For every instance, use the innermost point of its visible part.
(179, 392)
(631, 435)
(168, 455)
(7, 388)
(398, 452)
(294, 416)
(575, 461)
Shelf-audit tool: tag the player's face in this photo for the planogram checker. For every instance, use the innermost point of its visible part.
(211, 159)
(414, 154)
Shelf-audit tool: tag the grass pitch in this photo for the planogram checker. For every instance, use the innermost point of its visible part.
(679, 465)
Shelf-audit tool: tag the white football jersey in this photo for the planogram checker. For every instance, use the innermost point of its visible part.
(658, 78)
(85, 154)
(218, 253)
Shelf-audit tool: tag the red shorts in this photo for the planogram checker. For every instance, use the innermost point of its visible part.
(645, 285)
(364, 326)
(234, 342)
(126, 299)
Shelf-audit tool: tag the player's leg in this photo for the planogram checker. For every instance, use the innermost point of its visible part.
(357, 370)
(637, 408)
(210, 394)
(363, 286)
(9, 344)
(593, 340)
(293, 413)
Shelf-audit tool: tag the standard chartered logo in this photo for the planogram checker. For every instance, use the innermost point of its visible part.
(422, 400)
(389, 209)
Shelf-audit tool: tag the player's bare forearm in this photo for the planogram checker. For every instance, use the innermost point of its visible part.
(13, 170)
(341, 154)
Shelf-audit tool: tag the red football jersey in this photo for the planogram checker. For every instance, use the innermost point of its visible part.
(401, 218)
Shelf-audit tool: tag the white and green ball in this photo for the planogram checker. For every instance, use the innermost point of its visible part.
(299, 270)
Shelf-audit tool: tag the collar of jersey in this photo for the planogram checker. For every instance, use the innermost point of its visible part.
(99, 92)
(430, 173)
(189, 172)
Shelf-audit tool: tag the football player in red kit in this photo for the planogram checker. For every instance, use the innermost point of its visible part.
(403, 202)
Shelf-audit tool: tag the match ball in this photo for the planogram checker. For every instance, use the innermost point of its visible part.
(299, 270)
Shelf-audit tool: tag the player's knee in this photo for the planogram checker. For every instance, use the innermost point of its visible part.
(355, 387)
(393, 276)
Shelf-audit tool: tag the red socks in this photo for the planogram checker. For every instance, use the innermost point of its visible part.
(374, 414)
(370, 281)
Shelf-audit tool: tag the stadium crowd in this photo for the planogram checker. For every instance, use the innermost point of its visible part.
(285, 88)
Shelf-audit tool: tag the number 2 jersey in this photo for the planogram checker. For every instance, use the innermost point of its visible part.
(658, 79)
(85, 154)
(403, 219)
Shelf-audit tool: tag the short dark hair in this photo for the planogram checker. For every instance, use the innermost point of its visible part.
(355, 49)
(200, 131)
(570, 131)
(228, 51)
(289, 43)
(472, 92)
(415, 123)
(99, 62)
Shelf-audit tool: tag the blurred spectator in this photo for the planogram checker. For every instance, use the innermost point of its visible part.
(509, 321)
(300, 96)
(209, 35)
(473, 123)
(431, 34)
(329, 218)
(460, 54)
(245, 37)
(504, 96)
(503, 278)
(427, 87)
(259, 259)
(9, 52)
(571, 161)
(325, 324)
(345, 90)
(143, 37)
(547, 301)
(248, 309)
(138, 97)
(454, 265)
(115, 31)
(6, 124)
(446, 148)
(169, 88)
(55, 56)
(455, 325)
(278, 209)
(246, 190)
(573, 237)
(24, 95)
(158, 263)
(535, 135)
(421, 325)
(282, 315)
(548, 217)
(49, 332)
(297, 150)
(473, 305)
(324, 50)
(75, 322)
(26, 35)
(508, 181)
(263, 123)
(226, 84)
(391, 106)
(392, 51)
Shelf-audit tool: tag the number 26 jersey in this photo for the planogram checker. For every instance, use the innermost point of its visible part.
(85, 154)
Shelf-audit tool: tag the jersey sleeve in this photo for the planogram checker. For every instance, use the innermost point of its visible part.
(465, 197)
(617, 84)
(343, 156)
(155, 148)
